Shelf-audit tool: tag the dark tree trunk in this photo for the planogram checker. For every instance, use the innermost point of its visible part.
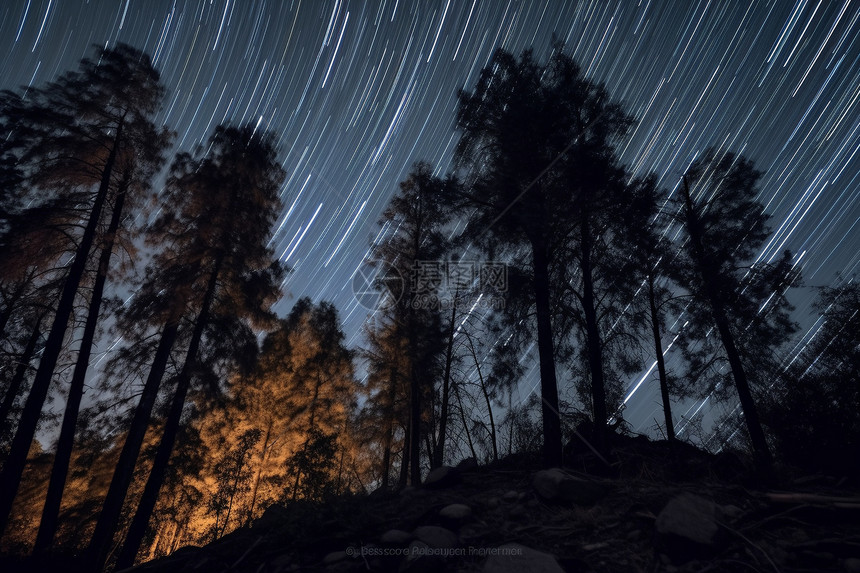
(548, 384)
(10, 303)
(146, 505)
(263, 457)
(594, 346)
(20, 373)
(759, 442)
(415, 426)
(65, 443)
(761, 451)
(389, 430)
(122, 476)
(489, 403)
(13, 468)
(404, 458)
(466, 428)
(138, 525)
(439, 454)
(661, 363)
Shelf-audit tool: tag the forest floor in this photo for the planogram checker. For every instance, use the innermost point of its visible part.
(655, 509)
(502, 518)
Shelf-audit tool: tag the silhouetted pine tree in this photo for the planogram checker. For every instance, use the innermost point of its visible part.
(225, 201)
(648, 226)
(75, 130)
(538, 141)
(814, 408)
(723, 228)
(418, 216)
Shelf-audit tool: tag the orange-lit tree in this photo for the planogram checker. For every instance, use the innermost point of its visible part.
(215, 279)
(70, 137)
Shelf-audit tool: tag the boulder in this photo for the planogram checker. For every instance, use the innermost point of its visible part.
(467, 464)
(687, 528)
(516, 558)
(455, 513)
(436, 537)
(558, 486)
(441, 477)
(396, 537)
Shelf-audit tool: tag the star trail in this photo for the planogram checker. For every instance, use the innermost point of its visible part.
(358, 91)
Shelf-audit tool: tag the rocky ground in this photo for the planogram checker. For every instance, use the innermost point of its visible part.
(651, 511)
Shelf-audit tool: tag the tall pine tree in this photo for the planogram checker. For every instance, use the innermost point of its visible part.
(77, 128)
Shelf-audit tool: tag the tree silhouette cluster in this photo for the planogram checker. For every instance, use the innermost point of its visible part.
(196, 427)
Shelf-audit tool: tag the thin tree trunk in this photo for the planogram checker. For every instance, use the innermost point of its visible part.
(146, 505)
(548, 383)
(465, 424)
(594, 347)
(404, 458)
(439, 456)
(20, 373)
(13, 468)
(761, 451)
(263, 458)
(389, 431)
(10, 303)
(490, 414)
(486, 394)
(51, 510)
(122, 476)
(661, 363)
(415, 429)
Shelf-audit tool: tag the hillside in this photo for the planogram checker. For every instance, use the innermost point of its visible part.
(696, 512)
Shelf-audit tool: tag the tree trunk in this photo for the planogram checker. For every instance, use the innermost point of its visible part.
(414, 429)
(594, 346)
(65, 443)
(146, 505)
(661, 363)
(13, 468)
(764, 461)
(489, 413)
(548, 384)
(761, 451)
(389, 430)
(124, 472)
(466, 425)
(439, 456)
(263, 458)
(404, 458)
(11, 303)
(20, 373)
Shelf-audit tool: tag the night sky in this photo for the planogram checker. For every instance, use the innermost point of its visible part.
(358, 91)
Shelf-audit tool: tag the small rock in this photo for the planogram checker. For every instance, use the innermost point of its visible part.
(556, 485)
(687, 528)
(334, 557)
(732, 512)
(517, 512)
(436, 536)
(421, 558)
(511, 495)
(516, 558)
(396, 537)
(456, 512)
(441, 477)
(467, 464)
